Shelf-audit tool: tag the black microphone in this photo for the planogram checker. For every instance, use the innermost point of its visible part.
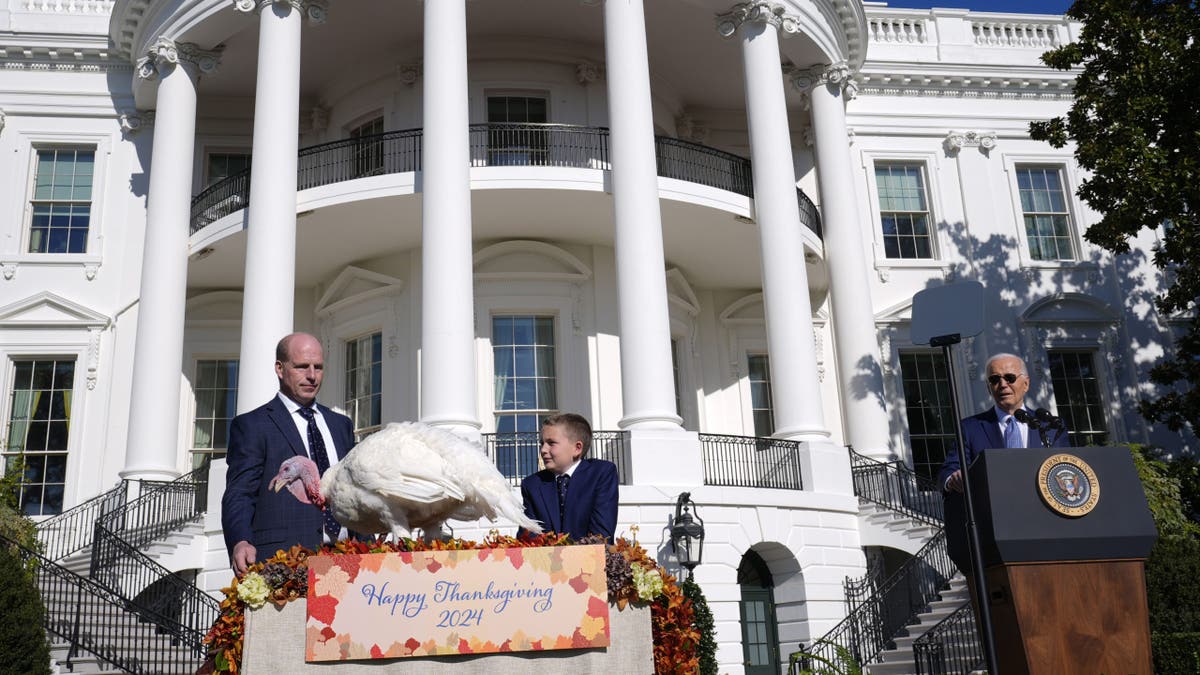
(1023, 416)
(1048, 419)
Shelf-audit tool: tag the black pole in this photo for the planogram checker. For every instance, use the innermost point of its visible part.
(985, 609)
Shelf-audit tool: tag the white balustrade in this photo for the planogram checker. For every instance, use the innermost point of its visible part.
(93, 7)
(1014, 34)
(897, 30)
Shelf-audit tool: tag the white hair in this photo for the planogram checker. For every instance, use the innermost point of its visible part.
(1004, 355)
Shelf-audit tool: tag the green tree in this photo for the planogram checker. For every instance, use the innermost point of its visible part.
(707, 649)
(1135, 129)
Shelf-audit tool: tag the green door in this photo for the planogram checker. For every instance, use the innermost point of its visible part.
(760, 635)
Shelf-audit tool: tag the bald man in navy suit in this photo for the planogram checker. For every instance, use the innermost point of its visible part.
(572, 495)
(257, 520)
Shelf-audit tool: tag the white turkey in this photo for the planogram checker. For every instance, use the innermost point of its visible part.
(404, 477)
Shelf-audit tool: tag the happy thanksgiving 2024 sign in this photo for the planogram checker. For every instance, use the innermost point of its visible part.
(428, 603)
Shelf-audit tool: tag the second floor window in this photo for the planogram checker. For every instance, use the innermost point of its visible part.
(364, 383)
(222, 165)
(1044, 208)
(516, 144)
(368, 147)
(903, 211)
(61, 206)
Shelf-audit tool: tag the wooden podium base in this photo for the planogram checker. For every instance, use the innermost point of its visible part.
(1064, 618)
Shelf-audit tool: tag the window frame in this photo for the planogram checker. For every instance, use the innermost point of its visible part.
(753, 427)
(194, 410)
(22, 209)
(206, 180)
(931, 218)
(344, 343)
(903, 407)
(1093, 352)
(1070, 179)
(362, 150)
(931, 166)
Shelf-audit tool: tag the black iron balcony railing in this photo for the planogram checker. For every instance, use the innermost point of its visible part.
(951, 646)
(872, 622)
(746, 461)
(516, 453)
(549, 145)
(897, 487)
(161, 508)
(95, 619)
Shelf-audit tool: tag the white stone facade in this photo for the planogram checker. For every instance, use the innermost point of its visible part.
(631, 261)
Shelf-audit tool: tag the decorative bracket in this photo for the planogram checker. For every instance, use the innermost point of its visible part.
(316, 10)
(957, 140)
(166, 52)
(748, 12)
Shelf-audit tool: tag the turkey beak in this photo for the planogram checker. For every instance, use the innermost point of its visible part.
(276, 484)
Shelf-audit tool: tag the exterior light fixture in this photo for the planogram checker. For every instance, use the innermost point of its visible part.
(687, 533)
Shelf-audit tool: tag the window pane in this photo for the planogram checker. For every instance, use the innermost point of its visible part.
(903, 211)
(524, 373)
(1044, 206)
(758, 367)
(61, 206)
(1077, 396)
(364, 383)
(39, 431)
(928, 409)
(215, 391)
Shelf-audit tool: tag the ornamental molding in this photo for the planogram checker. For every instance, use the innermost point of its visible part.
(167, 52)
(762, 12)
(317, 11)
(409, 73)
(133, 121)
(965, 86)
(587, 72)
(91, 58)
(318, 118)
(957, 140)
(688, 129)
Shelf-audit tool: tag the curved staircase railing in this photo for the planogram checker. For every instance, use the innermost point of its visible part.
(951, 646)
(895, 486)
(72, 531)
(93, 618)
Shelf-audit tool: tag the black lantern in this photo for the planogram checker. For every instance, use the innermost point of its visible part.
(687, 533)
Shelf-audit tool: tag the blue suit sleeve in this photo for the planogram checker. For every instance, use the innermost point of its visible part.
(245, 458)
(603, 518)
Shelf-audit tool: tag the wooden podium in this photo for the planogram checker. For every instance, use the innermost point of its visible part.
(1064, 546)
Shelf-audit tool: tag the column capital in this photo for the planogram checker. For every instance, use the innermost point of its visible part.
(838, 75)
(167, 53)
(762, 12)
(408, 73)
(957, 140)
(315, 10)
(587, 72)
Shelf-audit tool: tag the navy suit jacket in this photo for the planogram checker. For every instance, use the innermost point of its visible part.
(259, 441)
(980, 432)
(591, 500)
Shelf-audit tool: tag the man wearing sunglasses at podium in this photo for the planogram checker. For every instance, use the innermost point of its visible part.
(1004, 425)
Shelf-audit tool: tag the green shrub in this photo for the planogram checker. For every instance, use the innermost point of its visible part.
(707, 649)
(1176, 653)
(23, 646)
(1173, 585)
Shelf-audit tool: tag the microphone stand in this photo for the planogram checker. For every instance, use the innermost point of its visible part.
(985, 607)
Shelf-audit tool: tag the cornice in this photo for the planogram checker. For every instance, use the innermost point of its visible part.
(44, 52)
(965, 83)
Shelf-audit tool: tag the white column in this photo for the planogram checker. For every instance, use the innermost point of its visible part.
(794, 382)
(447, 295)
(270, 282)
(647, 379)
(856, 342)
(152, 448)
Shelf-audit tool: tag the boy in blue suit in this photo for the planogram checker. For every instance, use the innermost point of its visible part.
(997, 427)
(572, 495)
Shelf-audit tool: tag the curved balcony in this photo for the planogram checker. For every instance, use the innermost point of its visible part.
(541, 145)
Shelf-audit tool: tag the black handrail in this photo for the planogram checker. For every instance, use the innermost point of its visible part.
(151, 590)
(897, 487)
(873, 622)
(515, 454)
(747, 461)
(493, 144)
(162, 507)
(950, 646)
(95, 619)
(72, 530)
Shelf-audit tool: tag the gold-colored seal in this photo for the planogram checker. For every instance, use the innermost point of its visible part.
(1068, 485)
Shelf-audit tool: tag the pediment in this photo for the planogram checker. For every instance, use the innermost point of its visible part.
(898, 313)
(355, 285)
(680, 293)
(747, 309)
(529, 260)
(1069, 308)
(224, 306)
(49, 309)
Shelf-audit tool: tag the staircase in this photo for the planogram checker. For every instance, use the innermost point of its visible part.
(111, 605)
(885, 617)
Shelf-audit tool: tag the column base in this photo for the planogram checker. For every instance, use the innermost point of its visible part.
(825, 467)
(158, 473)
(463, 426)
(666, 421)
(665, 457)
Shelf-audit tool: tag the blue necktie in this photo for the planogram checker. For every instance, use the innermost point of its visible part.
(1012, 434)
(562, 480)
(316, 450)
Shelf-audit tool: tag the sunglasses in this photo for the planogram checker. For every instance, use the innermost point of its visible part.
(1008, 377)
